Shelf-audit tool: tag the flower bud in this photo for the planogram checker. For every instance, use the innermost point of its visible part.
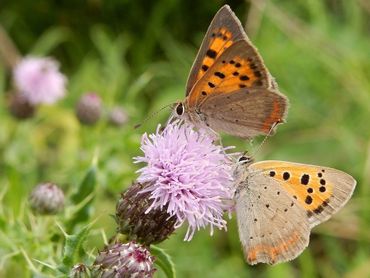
(88, 109)
(117, 116)
(137, 223)
(124, 261)
(47, 198)
(20, 107)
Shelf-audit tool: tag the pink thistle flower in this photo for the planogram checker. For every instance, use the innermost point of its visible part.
(188, 175)
(39, 80)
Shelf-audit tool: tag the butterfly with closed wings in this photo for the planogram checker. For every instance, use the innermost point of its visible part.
(229, 88)
(278, 203)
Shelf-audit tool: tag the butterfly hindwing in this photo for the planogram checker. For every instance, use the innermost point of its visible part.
(320, 191)
(246, 112)
(272, 226)
(238, 67)
(224, 30)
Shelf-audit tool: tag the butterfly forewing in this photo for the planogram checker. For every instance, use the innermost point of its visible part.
(320, 191)
(238, 67)
(224, 30)
(272, 226)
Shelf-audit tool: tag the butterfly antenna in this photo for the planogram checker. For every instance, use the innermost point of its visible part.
(151, 116)
(266, 137)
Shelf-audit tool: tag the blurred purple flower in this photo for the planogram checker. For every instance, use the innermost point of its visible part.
(189, 174)
(39, 80)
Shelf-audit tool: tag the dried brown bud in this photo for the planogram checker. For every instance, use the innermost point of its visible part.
(89, 108)
(132, 219)
(19, 107)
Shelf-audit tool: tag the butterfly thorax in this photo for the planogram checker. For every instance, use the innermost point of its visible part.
(241, 173)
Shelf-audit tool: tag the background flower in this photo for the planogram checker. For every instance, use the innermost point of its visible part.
(39, 80)
(89, 108)
(188, 174)
(47, 198)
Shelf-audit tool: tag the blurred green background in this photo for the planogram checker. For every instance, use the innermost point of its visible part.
(137, 54)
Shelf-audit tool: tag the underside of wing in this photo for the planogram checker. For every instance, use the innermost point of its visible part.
(246, 112)
(273, 228)
(321, 191)
(224, 30)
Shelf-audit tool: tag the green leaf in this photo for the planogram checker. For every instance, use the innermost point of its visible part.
(164, 261)
(86, 188)
(73, 248)
(50, 40)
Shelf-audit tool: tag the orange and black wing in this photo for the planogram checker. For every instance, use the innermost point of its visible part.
(224, 30)
(237, 67)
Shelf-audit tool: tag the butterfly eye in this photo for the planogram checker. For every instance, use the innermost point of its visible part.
(180, 109)
(244, 159)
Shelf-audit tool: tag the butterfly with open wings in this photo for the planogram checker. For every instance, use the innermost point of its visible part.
(229, 88)
(277, 204)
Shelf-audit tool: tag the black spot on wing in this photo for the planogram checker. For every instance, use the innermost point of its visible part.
(211, 53)
(204, 67)
(257, 73)
(210, 84)
(305, 179)
(318, 210)
(308, 200)
(219, 74)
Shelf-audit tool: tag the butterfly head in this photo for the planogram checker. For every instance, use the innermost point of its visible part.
(179, 109)
(240, 170)
(245, 160)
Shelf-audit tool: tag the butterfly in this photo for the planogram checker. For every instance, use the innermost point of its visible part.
(277, 204)
(229, 88)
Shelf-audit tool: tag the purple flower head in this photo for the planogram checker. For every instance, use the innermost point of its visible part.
(189, 174)
(39, 80)
(124, 260)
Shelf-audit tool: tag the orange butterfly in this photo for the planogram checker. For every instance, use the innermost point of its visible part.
(229, 88)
